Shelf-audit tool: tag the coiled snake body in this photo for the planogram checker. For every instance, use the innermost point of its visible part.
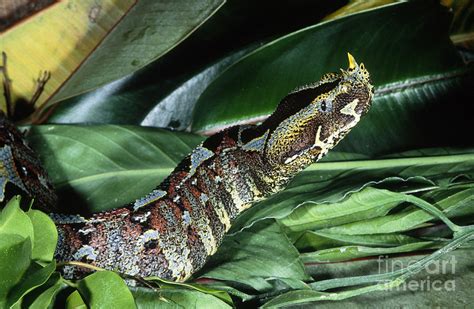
(172, 231)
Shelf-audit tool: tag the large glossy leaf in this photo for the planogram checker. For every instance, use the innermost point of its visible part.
(101, 167)
(245, 258)
(397, 43)
(163, 93)
(150, 29)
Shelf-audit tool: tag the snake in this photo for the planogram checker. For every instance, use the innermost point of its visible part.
(171, 232)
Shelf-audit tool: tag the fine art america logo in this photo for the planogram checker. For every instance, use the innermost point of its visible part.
(438, 275)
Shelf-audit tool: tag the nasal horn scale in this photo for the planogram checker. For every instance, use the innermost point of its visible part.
(352, 62)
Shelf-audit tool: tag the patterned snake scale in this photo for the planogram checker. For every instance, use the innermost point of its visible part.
(20, 167)
(171, 232)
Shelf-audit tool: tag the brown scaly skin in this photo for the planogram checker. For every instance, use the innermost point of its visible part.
(20, 166)
(171, 232)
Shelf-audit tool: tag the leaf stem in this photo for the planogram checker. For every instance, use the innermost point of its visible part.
(429, 208)
(96, 268)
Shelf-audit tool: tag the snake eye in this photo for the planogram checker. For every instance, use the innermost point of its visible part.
(325, 106)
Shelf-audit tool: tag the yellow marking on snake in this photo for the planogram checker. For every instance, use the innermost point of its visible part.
(349, 109)
(318, 142)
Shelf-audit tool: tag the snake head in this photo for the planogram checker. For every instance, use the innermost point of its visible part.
(313, 119)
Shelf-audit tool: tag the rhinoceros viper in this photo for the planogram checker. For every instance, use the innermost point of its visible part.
(171, 232)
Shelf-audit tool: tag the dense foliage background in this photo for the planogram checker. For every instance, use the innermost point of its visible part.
(400, 186)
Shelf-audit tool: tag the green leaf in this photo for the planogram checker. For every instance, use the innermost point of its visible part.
(175, 298)
(18, 275)
(366, 204)
(14, 221)
(75, 301)
(149, 30)
(456, 202)
(222, 286)
(408, 219)
(105, 289)
(15, 252)
(164, 284)
(418, 28)
(254, 256)
(163, 93)
(43, 296)
(102, 167)
(45, 235)
(35, 276)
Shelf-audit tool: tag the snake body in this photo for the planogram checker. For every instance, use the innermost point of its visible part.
(20, 166)
(171, 232)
